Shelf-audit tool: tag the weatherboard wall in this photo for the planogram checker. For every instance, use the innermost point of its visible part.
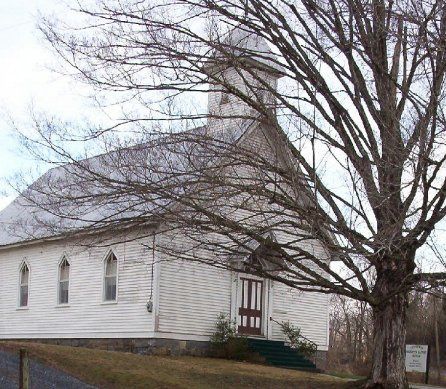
(306, 310)
(86, 315)
(231, 115)
(192, 295)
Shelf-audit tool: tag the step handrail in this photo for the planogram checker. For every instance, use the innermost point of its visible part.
(301, 336)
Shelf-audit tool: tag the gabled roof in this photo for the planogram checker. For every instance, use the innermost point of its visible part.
(74, 190)
(35, 213)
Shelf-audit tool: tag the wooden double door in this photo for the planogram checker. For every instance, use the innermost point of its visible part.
(251, 306)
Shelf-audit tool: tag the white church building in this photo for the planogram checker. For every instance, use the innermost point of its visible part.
(122, 294)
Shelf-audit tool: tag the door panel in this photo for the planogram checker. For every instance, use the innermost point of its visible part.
(251, 307)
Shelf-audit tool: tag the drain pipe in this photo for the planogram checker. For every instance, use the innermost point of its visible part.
(150, 302)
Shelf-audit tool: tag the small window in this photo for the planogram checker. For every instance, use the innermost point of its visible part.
(110, 277)
(262, 96)
(24, 285)
(64, 281)
(224, 98)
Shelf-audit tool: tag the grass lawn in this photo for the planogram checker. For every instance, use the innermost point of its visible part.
(110, 369)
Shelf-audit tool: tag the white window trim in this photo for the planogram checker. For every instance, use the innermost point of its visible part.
(62, 258)
(104, 264)
(19, 284)
(224, 98)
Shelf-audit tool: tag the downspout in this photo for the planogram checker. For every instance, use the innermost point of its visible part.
(150, 302)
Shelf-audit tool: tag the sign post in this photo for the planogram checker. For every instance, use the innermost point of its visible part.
(417, 359)
(24, 369)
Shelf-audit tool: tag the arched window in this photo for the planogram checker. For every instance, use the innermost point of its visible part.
(64, 281)
(24, 285)
(110, 277)
(224, 98)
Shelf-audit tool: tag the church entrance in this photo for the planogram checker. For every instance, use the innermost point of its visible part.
(251, 306)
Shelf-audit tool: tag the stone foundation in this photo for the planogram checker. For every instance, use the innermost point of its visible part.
(178, 347)
(320, 359)
(146, 346)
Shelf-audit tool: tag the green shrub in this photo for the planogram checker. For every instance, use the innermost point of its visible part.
(296, 340)
(225, 343)
(225, 329)
(237, 348)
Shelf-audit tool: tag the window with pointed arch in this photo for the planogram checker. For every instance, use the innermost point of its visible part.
(24, 285)
(224, 99)
(64, 281)
(110, 277)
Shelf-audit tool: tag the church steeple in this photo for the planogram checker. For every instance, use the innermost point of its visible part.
(246, 64)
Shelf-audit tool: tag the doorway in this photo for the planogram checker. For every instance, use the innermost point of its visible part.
(251, 306)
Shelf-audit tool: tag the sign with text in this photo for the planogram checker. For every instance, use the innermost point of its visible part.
(416, 358)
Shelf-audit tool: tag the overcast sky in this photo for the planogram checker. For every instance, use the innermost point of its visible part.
(26, 80)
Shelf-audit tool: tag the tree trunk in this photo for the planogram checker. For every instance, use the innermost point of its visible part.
(389, 338)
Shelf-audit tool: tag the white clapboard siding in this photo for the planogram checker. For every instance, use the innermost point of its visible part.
(233, 114)
(191, 295)
(306, 310)
(87, 316)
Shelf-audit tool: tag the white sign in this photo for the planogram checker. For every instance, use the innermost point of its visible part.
(416, 357)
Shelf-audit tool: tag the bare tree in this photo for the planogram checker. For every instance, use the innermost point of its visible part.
(427, 325)
(350, 334)
(357, 161)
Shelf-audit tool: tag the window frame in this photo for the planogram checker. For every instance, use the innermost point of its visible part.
(63, 259)
(19, 291)
(224, 98)
(104, 272)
